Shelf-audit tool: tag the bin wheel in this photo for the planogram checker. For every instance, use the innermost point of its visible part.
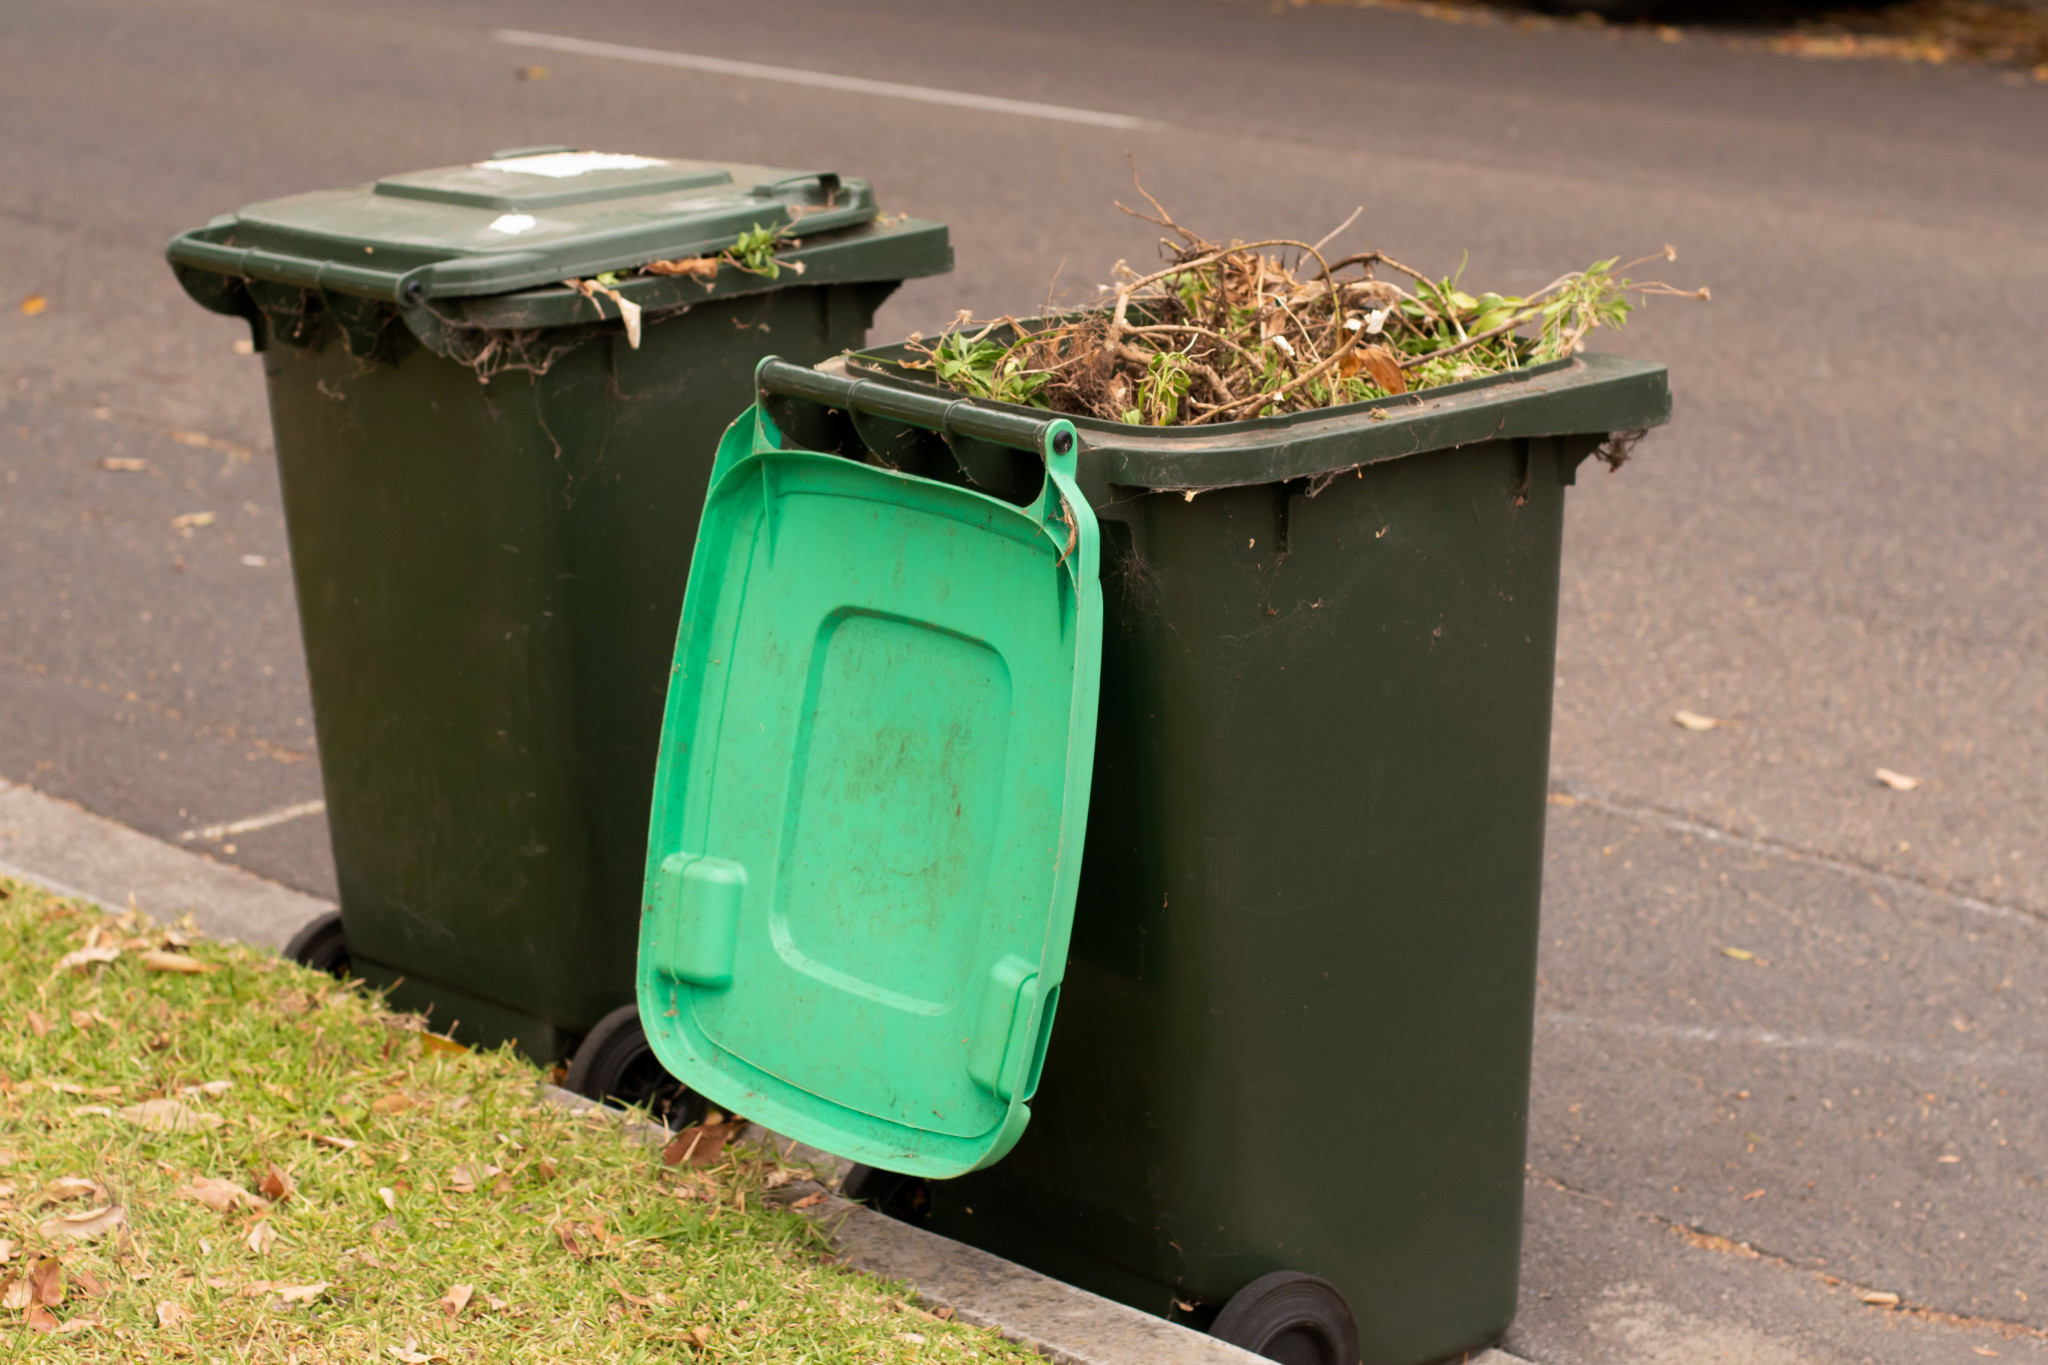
(1290, 1317)
(616, 1062)
(906, 1198)
(321, 944)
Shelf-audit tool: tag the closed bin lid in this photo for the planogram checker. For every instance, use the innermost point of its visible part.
(518, 219)
(869, 805)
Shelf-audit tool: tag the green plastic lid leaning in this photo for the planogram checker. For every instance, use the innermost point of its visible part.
(517, 219)
(870, 800)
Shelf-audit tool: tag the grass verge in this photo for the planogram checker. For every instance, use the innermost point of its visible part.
(208, 1153)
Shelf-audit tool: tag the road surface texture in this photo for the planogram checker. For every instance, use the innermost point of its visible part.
(1836, 548)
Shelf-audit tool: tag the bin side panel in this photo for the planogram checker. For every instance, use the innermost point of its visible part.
(1296, 1027)
(489, 578)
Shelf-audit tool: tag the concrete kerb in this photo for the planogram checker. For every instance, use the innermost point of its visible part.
(72, 852)
(1069, 1325)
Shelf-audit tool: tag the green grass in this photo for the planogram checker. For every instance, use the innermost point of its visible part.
(576, 1242)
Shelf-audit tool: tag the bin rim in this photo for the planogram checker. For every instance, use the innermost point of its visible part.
(1588, 395)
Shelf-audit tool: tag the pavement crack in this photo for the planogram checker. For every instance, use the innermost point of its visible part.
(1645, 813)
(1703, 1239)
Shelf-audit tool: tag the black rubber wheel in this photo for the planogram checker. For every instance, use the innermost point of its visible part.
(1290, 1317)
(616, 1062)
(906, 1198)
(321, 944)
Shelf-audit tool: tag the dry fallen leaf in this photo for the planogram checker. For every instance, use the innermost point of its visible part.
(393, 1103)
(79, 958)
(913, 1338)
(1881, 1298)
(41, 1319)
(170, 1116)
(17, 1293)
(456, 1299)
(47, 1281)
(37, 1024)
(701, 1336)
(169, 1315)
(1898, 782)
(261, 1237)
(222, 1196)
(158, 961)
(340, 1144)
(702, 1144)
(214, 1088)
(277, 1185)
(809, 1200)
(389, 1196)
(1693, 720)
(83, 1227)
(6, 1251)
(67, 1188)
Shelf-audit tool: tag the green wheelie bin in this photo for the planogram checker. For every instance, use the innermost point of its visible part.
(1305, 665)
(493, 431)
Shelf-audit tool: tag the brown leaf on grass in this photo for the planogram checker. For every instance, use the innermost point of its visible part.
(81, 1324)
(340, 1144)
(222, 1196)
(213, 1088)
(17, 1293)
(546, 1168)
(456, 1299)
(701, 1144)
(693, 267)
(290, 1293)
(170, 1116)
(6, 1251)
(83, 1227)
(277, 1185)
(159, 961)
(41, 1319)
(87, 1283)
(1386, 371)
(809, 1200)
(565, 1233)
(46, 1281)
(170, 1315)
(64, 1189)
(78, 959)
(700, 1337)
(261, 1237)
(397, 1102)
(37, 1024)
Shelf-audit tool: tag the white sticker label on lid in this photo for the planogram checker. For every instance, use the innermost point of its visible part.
(512, 224)
(563, 165)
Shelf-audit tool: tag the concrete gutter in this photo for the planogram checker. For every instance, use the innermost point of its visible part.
(72, 852)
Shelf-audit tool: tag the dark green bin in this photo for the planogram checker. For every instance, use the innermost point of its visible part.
(491, 498)
(1294, 1033)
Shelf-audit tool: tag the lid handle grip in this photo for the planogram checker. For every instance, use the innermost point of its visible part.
(827, 182)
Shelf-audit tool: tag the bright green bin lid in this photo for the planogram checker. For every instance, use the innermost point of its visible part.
(869, 806)
(517, 219)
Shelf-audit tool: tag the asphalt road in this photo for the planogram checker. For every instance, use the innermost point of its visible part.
(1836, 548)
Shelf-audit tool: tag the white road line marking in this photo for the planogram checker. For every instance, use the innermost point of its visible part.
(1650, 815)
(823, 80)
(254, 822)
(1792, 1042)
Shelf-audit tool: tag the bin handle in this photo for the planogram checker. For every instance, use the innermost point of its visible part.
(828, 185)
(190, 249)
(1053, 438)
